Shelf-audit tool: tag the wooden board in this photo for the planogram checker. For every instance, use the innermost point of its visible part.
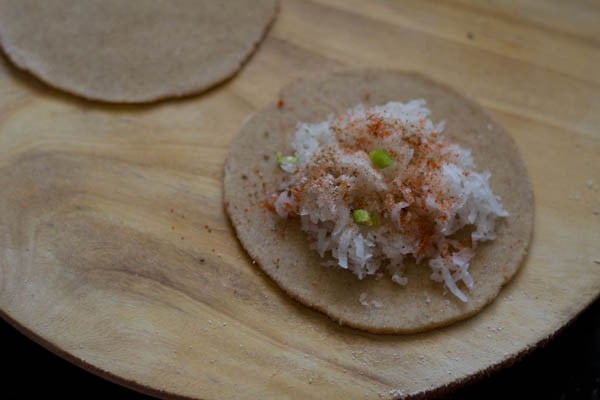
(115, 250)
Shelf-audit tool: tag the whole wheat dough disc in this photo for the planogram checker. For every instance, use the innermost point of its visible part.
(132, 51)
(281, 249)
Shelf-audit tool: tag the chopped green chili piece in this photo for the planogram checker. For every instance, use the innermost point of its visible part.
(286, 159)
(362, 217)
(380, 158)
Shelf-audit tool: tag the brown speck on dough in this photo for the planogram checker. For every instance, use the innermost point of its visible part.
(470, 35)
(266, 157)
(280, 103)
(244, 176)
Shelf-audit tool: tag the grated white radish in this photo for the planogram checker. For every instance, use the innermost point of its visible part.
(423, 200)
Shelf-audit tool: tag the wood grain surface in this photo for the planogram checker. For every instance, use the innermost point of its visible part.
(115, 250)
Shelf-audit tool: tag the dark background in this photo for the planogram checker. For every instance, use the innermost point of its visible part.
(566, 367)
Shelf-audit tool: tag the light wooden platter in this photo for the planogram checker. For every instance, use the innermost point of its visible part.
(115, 250)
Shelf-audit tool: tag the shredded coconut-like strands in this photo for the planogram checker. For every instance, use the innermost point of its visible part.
(421, 202)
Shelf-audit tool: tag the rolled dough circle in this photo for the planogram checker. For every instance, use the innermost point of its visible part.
(281, 249)
(132, 51)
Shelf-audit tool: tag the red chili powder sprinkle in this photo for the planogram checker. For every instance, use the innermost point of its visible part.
(267, 204)
(421, 180)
